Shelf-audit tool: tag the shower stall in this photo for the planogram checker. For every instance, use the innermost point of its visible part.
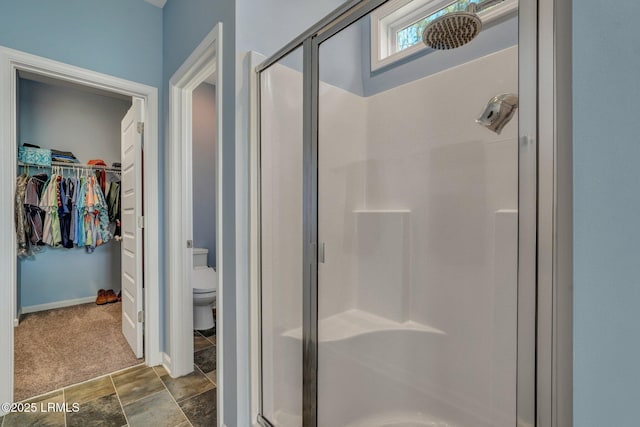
(397, 220)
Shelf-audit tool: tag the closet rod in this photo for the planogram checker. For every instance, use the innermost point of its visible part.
(72, 166)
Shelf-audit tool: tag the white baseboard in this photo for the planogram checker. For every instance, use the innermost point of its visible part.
(16, 321)
(166, 363)
(57, 304)
(154, 359)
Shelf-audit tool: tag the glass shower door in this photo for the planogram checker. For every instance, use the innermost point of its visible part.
(418, 240)
(281, 195)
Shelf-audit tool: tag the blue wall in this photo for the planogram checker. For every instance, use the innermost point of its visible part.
(606, 106)
(122, 38)
(341, 59)
(186, 23)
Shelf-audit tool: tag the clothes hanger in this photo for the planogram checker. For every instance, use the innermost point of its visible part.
(38, 179)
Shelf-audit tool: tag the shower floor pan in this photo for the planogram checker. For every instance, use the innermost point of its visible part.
(400, 420)
(284, 419)
(354, 322)
(375, 372)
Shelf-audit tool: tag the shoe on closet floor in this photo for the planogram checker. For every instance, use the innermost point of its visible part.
(111, 296)
(102, 297)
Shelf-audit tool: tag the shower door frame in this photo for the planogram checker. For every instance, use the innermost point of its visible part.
(544, 206)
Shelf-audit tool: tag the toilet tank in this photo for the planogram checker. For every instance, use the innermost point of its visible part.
(200, 257)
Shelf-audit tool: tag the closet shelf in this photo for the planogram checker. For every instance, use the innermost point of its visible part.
(72, 166)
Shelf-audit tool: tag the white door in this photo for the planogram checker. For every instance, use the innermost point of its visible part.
(132, 222)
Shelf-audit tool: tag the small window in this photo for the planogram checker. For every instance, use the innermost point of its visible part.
(396, 27)
(412, 33)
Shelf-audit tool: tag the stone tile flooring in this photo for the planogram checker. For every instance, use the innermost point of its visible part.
(138, 396)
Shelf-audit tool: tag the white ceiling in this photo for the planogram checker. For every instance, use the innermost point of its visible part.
(159, 3)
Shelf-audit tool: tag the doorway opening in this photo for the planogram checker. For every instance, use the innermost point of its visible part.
(76, 130)
(195, 274)
(70, 198)
(203, 164)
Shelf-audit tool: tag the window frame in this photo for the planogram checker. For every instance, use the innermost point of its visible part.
(396, 15)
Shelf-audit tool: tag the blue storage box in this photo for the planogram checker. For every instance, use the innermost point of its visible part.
(34, 156)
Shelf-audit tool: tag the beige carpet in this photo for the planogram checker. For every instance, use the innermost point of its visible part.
(57, 348)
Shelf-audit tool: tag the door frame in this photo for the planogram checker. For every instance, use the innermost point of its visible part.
(12, 61)
(205, 60)
(545, 289)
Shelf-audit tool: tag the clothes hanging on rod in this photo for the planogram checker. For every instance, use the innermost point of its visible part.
(29, 216)
(61, 211)
(21, 216)
(101, 175)
(113, 202)
(65, 166)
(66, 189)
(35, 215)
(90, 225)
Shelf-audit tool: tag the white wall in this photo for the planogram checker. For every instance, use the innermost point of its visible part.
(204, 175)
(425, 154)
(343, 121)
(88, 125)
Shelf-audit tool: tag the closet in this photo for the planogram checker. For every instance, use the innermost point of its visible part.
(80, 129)
(58, 116)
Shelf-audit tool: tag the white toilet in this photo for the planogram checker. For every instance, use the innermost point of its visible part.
(204, 282)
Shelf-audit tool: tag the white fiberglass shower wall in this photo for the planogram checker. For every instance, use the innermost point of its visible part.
(417, 239)
(418, 219)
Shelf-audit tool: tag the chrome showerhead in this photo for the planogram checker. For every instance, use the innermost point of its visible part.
(453, 30)
(456, 29)
(498, 111)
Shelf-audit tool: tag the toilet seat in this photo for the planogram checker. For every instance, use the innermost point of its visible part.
(204, 280)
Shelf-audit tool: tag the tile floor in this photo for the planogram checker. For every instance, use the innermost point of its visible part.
(138, 396)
